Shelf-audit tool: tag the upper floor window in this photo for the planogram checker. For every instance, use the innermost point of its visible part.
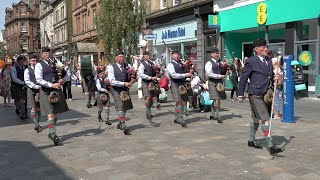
(22, 11)
(84, 19)
(78, 24)
(176, 2)
(62, 12)
(57, 16)
(163, 4)
(23, 27)
(94, 16)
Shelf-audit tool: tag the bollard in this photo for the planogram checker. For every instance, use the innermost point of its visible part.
(288, 90)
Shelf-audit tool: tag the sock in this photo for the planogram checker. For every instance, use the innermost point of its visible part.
(38, 117)
(87, 98)
(121, 115)
(265, 130)
(107, 110)
(179, 112)
(253, 130)
(148, 109)
(51, 126)
(35, 119)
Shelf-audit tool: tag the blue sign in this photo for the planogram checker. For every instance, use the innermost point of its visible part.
(150, 37)
(174, 33)
(288, 90)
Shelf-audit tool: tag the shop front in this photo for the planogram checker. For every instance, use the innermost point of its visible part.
(289, 29)
(181, 37)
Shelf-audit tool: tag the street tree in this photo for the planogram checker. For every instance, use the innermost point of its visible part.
(2, 50)
(119, 24)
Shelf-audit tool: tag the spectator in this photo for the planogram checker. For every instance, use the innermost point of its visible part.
(236, 69)
(5, 84)
(67, 85)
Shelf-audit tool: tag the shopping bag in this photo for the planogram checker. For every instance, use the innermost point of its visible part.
(205, 98)
(163, 95)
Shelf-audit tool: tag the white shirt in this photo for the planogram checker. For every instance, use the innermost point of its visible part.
(15, 77)
(27, 80)
(112, 78)
(209, 72)
(99, 87)
(39, 74)
(195, 84)
(262, 58)
(141, 71)
(172, 71)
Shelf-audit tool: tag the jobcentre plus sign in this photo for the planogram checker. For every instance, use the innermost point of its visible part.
(179, 32)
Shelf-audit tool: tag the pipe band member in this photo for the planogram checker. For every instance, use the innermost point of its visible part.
(102, 95)
(260, 71)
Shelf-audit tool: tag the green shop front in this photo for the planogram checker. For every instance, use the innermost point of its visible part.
(291, 26)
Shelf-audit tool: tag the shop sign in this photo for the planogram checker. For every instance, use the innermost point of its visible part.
(261, 11)
(305, 58)
(150, 37)
(174, 33)
(213, 21)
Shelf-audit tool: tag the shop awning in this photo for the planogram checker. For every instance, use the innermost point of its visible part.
(85, 47)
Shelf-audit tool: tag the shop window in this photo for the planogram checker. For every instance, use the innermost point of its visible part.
(307, 30)
(163, 4)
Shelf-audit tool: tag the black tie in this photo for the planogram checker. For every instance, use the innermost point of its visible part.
(122, 67)
(265, 61)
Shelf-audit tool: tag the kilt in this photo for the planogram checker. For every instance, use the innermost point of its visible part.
(145, 90)
(99, 103)
(48, 108)
(89, 84)
(119, 105)
(213, 90)
(31, 103)
(259, 109)
(176, 95)
(16, 92)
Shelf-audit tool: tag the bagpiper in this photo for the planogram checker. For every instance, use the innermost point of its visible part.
(149, 84)
(18, 87)
(121, 82)
(178, 87)
(260, 71)
(102, 95)
(215, 78)
(52, 100)
(33, 92)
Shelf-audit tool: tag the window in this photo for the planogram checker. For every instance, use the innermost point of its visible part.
(94, 16)
(84, 18)
(176, 2)
(22, 11)
(63, 34)
(57, 36)
(163, 4)
(24, 44)
(23, 27)
(57, 16)
(78, 24)
(62, 13)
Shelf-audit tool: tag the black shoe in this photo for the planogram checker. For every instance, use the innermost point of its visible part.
(38, 128)
(54, 138)
(108, 122)
(254, 144)
(100, 118)
(89, 106)
(274, 150)
(125, 128)
(176, 121)
(149, 116)
(18, 112)
(183, 123)
(218, 118)
(95, 103)
(22, 118)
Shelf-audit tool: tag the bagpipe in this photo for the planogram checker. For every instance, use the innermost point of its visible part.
(58, 73)
(153, 86)
(132, 76)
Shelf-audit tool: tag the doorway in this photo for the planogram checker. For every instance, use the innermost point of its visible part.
(247, 49)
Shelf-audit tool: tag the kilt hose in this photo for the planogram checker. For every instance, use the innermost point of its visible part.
(119, 105)
(175, 93)
(213, 90)
(31, 103)
(145, 89)
(259, 109)
(49, 108)
(99, 103)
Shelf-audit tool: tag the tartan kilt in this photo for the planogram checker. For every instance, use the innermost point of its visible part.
(99, 103)
(259, 109)
(48, 108)
(31, 103)
(213, 90)
(89, 85)
(119, 105)
(176, 96)
(145, 90)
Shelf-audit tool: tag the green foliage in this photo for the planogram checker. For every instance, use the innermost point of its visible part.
(2, 51)
(118, 26)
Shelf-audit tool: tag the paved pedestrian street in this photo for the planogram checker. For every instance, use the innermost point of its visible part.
(205, 150)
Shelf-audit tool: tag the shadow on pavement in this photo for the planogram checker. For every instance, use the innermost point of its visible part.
(22, 160)
(141, 126)
(88, 132)
(230, 116)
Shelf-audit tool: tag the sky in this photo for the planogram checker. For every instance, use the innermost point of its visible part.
(3, 5)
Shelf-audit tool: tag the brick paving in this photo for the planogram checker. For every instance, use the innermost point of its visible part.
(205, 150)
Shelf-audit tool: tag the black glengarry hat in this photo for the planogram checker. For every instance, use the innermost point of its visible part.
(175, 52)
(119, 52)
(46, 49)
(259, 42)
(214, 50)
(146, 53)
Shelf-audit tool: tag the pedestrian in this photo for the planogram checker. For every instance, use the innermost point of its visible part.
(33, 92)
(213, 71)
(52, 100)
(145, 73)
(67, 85)
(18, 87)
(88, 83)
(120, 82)
(102, 95)
(6, 84)
(276, 61)
(259, 69)
(178, 88)
(236, 69)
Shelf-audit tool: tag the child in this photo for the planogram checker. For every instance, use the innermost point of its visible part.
(103, 98)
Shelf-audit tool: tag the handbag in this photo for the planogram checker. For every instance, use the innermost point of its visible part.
(205, 98)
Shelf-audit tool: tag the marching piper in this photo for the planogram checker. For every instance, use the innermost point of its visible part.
(33, 92)
(52, 100)
(260, 71)
(178, 89)
(102, 95)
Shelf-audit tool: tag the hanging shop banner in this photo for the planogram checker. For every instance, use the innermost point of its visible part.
(213, 21)
(261, 14)
(305, 58)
